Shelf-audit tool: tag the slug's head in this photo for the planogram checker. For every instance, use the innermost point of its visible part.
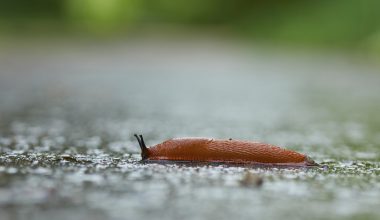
(144, 149)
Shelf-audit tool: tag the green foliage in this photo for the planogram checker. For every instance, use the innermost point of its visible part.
(336, 23)
(342, 23)
(101, 15)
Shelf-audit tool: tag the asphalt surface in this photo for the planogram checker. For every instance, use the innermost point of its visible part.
(68, 112)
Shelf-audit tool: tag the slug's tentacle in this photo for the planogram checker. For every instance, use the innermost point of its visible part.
(144, 149)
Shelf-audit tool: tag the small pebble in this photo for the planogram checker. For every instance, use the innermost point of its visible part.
(251, 180)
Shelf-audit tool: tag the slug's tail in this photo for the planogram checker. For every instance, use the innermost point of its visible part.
(311, 162)
(144, 149)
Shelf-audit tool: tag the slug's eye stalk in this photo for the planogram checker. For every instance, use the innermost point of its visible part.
(144, 149)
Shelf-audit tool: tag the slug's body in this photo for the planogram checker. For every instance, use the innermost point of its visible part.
(225, 151)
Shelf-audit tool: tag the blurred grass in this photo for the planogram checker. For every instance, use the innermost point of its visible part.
(322, 24)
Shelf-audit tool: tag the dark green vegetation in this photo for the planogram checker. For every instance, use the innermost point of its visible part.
(327, 24)
(68, 114)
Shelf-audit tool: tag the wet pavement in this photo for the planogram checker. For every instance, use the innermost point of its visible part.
(68, 113)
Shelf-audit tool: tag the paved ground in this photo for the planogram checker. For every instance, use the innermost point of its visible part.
(68, 113)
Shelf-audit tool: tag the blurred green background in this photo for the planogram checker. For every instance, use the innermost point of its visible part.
(344, 24)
